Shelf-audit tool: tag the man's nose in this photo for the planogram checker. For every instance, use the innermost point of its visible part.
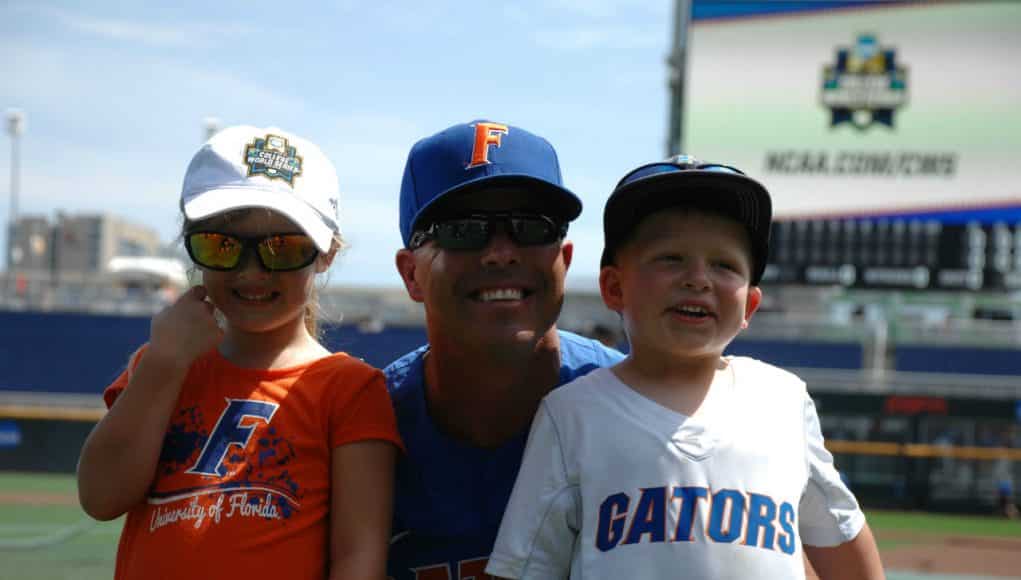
(500, 250)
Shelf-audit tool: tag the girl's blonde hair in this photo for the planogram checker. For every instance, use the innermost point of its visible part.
(313, 308)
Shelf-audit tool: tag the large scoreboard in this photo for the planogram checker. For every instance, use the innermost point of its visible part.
(898, 252)
(888, 134)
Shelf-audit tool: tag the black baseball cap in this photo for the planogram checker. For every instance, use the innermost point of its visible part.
(684, 181)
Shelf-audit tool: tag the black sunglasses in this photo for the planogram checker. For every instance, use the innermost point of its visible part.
(474, 231)
(281, 252)
(676, 163)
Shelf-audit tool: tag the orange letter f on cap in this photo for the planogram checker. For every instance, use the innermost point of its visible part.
(486, 134)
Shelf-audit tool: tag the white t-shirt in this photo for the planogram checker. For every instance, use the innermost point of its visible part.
(615, 485)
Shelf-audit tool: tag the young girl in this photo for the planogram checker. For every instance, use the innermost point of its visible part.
(247, 451)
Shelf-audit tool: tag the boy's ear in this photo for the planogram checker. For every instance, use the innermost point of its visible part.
(610, 288)
(752, 304)
(406, 267)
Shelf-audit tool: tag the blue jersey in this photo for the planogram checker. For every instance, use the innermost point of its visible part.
(450, 496)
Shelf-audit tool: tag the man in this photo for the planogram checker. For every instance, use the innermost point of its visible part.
(483, 220)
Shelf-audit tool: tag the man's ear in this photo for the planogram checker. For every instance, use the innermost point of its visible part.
(567, 251)
(752, 304)
(407, 268)
(610, 288)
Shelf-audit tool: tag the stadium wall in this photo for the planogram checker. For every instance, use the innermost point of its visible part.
(893, 447)
(83, 353)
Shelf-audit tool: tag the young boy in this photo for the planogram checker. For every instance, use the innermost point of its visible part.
(680, 462)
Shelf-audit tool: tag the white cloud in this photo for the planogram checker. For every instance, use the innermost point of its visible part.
(116, 97)
(585, 38)
(603, 9)
(150, 200)
(514, 13)
(140, 92)
(189, 34)
(213, 88)
(367, 147)
(370, 228)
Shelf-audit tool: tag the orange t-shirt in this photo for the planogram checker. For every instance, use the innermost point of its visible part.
(242, 488)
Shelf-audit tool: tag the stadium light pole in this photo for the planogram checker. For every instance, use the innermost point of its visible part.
(212, 126)
(676, 72)
(15, 127)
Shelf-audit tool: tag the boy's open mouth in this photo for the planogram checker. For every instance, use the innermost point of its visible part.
(692, 311)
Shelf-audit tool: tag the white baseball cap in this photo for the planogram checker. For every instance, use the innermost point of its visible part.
(245, 166)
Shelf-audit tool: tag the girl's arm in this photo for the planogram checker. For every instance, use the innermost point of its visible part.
(361, 508)
(119, 457)
(118, 460)
(854, 560)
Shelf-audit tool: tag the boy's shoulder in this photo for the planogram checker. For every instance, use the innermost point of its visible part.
(582, 390)
(760, 376)
(754, 365)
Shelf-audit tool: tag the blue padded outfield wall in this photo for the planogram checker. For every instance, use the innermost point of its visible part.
(958, 359)
(63, 352)
(83, 353)
(791, 354)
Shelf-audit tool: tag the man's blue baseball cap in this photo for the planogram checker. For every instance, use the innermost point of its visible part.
(481, 154)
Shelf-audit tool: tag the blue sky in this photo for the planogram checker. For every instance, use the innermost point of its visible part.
(115, 96)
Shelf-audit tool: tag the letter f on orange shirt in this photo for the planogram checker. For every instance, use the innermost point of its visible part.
(486, 134)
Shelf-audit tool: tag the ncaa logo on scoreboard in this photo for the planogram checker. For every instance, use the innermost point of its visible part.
(864, 85)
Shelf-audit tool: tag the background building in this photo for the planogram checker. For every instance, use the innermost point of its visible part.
(65, 264)
(29, 249)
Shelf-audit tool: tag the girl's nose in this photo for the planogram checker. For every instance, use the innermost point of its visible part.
(250, 266)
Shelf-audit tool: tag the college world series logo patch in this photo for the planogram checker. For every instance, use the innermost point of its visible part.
(273, 157)
(865, 85)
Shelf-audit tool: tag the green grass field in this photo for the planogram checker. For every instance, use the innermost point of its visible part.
(33, 536)
(88, 554)
(941, 525)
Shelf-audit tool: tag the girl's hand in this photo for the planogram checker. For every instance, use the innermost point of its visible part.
(181, 332)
